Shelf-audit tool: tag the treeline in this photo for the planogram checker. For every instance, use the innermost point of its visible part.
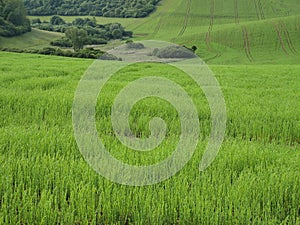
(87, 53)
(106, 8)
(13, 19)
(88, 29)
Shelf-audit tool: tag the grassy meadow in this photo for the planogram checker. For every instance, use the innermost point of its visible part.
(45, 180)
(252, 47)
(36, 39)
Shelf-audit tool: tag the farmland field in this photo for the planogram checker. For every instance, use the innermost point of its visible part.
(221, 28)
(45, 180)
(253, 49)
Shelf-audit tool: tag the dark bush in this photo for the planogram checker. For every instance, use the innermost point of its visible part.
(84, 53)
(95, 41)
(62, 42)
(36, 21)
(57, 20)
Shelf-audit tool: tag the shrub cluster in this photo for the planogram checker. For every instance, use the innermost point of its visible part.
(97, 33)
(88, 53)
(13, 19)
(8, 29)
(62, 42)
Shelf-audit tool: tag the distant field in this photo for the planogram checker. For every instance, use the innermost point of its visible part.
(44, 179)
(240, 32)
(34, 39)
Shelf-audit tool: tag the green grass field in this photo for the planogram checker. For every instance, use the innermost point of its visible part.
(34, 39)
(44, 179)
(252, 47)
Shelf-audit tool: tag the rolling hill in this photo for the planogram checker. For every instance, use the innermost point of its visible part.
(225, 31)
(45, 177)
(34, 39)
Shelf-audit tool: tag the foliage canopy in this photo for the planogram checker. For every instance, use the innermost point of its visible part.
(122, 8)
(13, 19)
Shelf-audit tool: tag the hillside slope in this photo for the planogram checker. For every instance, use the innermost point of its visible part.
(229, 31)
(225, 31)
(34, 39)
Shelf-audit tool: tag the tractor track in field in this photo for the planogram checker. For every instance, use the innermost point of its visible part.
(141, 24)
(236, 12)
(256, 9)
(247, 46)
(219, 54)
(160, 22)
(262, 14)
(186, 19)
(211, 24)
(278, 31)
(259, 10)
(287, 36)
(158, 26)
(208, 33)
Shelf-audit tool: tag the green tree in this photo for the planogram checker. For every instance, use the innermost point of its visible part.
(56, 20)
(117, 8)
(13, 19)
(77, 36)
(36, 21)
(117, 34)
(78, 22)
(14, 12)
